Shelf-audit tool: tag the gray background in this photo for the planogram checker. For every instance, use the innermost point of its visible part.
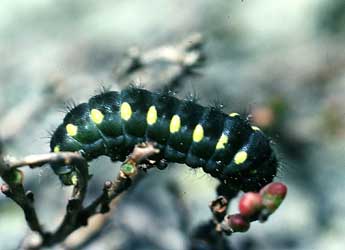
(287, 56)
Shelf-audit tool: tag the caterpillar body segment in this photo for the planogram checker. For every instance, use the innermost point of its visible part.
(112, 123)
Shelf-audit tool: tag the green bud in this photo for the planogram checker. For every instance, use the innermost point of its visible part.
(15, 176)
(128, 169)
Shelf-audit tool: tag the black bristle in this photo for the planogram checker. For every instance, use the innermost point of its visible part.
(113, 133)
(70, 105)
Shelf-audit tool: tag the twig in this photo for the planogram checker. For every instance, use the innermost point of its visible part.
(219, 208)
(113, 191)
(209, 234)
(181, 60)
(38, 160)
(252, 207)
(14, 189)
(76, 215)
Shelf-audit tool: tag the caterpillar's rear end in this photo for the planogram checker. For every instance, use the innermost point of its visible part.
(112, 123)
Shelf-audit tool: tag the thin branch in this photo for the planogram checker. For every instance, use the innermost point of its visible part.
(14, 190)
(219, 208)
(113, 191)
(180, 60)
(76, 215)
(38, 160)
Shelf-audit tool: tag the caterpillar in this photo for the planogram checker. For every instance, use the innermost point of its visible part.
(226, 146)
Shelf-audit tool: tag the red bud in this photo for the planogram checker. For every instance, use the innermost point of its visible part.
(250, 204)
(273, 195)
(237, 223)
(275, 188)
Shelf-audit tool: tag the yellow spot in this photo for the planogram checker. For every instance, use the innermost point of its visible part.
(74, 180)
(56, 149)
(125, 111)
(198, 133)
(71, 129)
(151, 117)
(96, 116)
(240, 157)
(234, 114)
(256, 128)
(175, 124)
(222, 141)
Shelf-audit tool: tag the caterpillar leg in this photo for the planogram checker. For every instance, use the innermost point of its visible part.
(226, 191)
(148, 163)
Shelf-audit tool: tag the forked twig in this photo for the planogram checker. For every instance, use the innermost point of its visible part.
(76, 214)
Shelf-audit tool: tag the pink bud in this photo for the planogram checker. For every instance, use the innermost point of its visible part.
(237, 223)
(275, 188)
(250, 204)
(273, 195)
(4, 188)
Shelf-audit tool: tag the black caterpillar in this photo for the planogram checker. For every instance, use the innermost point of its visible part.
(225, 146)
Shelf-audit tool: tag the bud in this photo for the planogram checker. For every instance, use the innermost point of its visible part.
(273, 195)
(14, 176)
(128, 169)
(108, 184)
(237, 223)
(250, 204)
(275, 188)
(4, 188)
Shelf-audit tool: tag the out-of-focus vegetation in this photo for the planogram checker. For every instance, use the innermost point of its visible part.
(283, 61)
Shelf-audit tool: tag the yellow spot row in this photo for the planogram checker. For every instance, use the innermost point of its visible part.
(151, 118)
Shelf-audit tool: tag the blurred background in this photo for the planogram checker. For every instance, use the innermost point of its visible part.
(281, 61)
